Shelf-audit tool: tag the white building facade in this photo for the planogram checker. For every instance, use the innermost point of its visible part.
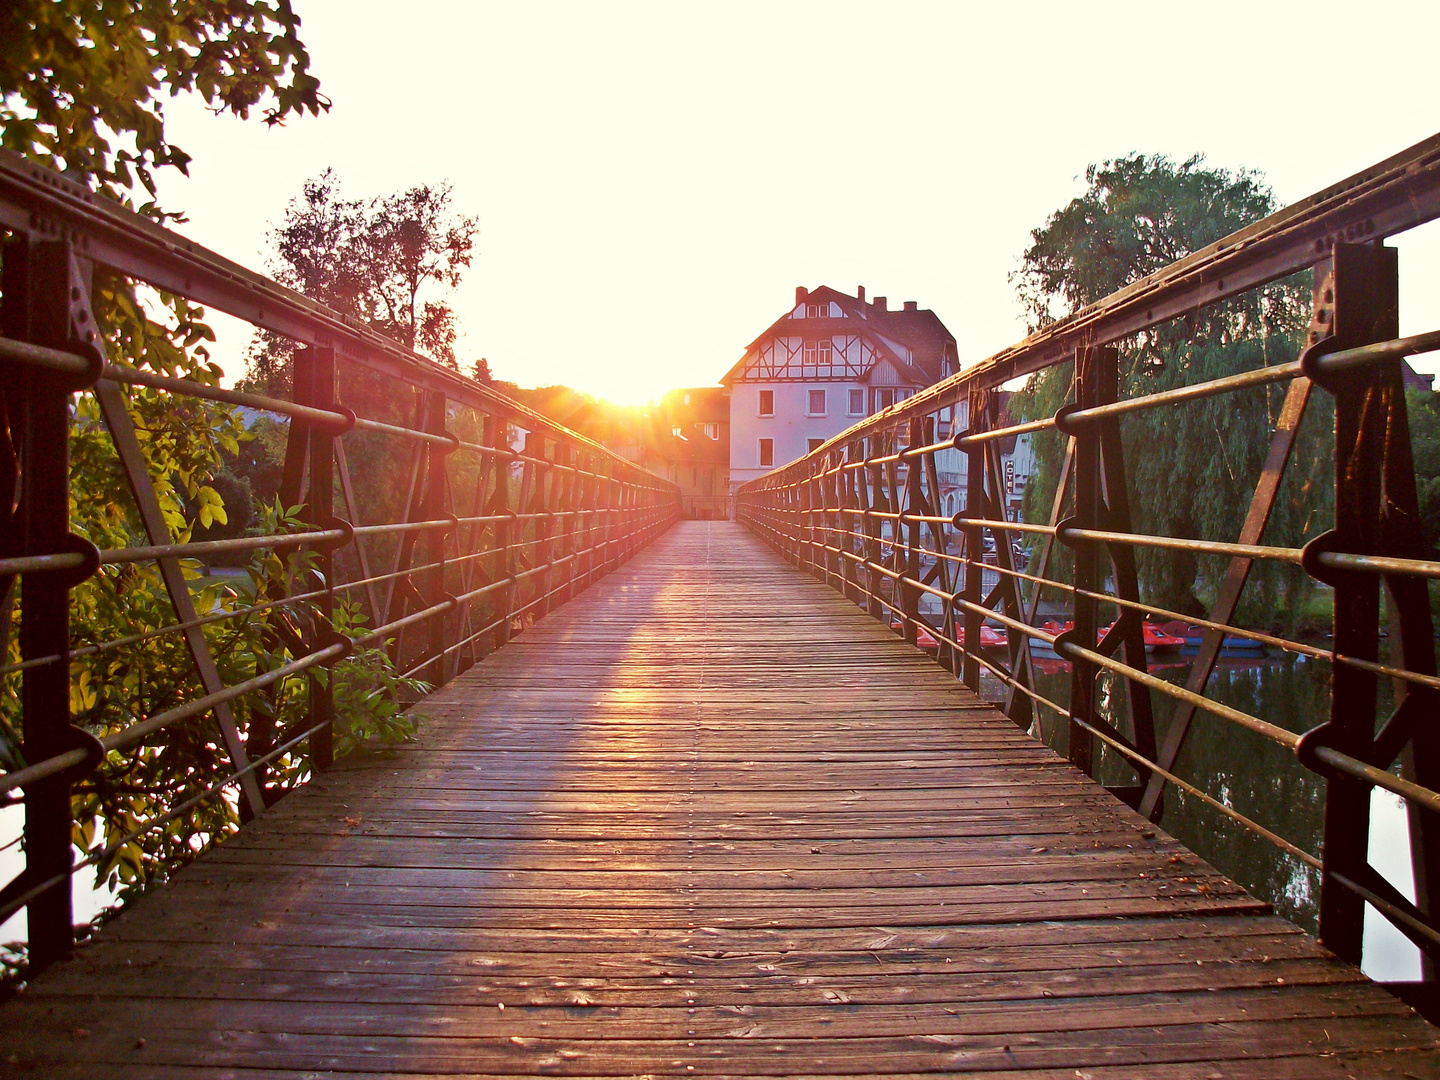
(830, 361)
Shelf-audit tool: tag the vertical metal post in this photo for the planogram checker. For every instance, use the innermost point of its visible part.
(604, 507)
(584, 522)
(850, 499)
(830, 492)
(502, 563)
(807, 517)
(1115, 516)
(1362, 300)
(546, 503)
(37, 284)
(821, 515)
(914, 504)
(437, 461)
(874, 501)
(1095, 372)
(321, 378)
(978, 417)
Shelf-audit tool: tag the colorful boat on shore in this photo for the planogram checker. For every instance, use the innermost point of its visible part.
(923, 638)
(1233, 645)
(990, 637)
(1157, 638)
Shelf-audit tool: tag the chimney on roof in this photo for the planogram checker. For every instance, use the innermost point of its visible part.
(911, 305)
(860, 293)
(801, 293)
(880, 303)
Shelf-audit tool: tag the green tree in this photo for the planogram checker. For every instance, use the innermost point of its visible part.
(1191, 469)
(81, 89)
(1424, 409)
(371, 259)
(82, 80)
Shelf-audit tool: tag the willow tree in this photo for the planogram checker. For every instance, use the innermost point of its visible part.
(1192, 469)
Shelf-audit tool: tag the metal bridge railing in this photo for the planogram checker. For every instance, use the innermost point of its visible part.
(864, 513)
(469, 564)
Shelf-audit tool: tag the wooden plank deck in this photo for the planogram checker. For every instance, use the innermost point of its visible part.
(707, 819)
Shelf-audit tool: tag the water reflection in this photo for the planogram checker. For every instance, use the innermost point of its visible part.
(1244, 771)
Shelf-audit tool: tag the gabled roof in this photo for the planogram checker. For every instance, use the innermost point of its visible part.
(853, 308)
(919, 331)
(913, 372)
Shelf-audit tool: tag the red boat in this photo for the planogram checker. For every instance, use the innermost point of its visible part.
(923, 638)
(990, 637)
(1156, 639)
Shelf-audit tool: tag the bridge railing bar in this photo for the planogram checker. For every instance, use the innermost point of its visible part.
(1425, 568)
(864, 512)
(472, 563)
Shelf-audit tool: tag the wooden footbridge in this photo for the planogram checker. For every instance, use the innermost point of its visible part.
(677, 829)
(686, 799)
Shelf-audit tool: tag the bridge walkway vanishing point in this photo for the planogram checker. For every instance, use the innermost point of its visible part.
(708, 819)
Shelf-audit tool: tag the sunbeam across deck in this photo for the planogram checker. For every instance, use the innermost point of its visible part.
(676, 828)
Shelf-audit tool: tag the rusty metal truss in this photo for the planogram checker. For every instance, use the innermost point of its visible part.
(464, 568)
(864, 512)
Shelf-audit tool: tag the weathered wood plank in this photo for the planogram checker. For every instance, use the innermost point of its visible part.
(707, 819)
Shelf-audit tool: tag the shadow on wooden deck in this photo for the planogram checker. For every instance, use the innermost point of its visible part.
(707, 818)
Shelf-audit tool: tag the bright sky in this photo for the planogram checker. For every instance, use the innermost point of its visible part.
(653, 180)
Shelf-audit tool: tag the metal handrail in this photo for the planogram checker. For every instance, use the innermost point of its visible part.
(851, 513)
(546, 521)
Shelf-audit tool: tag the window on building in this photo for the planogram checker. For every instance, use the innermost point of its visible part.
(882, 397)
(815, 444)
(812, 311)
(817, 402)
(827, 351)
(710, 431)
(767, 402)
(767, 453)
(812, 351)
(857, 402)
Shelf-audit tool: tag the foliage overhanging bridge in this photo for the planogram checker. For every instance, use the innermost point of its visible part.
(714, 815)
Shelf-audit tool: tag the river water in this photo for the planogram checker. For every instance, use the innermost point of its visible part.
(1255, 777)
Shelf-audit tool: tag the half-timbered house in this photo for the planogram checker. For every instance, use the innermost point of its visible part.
(827, 362)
